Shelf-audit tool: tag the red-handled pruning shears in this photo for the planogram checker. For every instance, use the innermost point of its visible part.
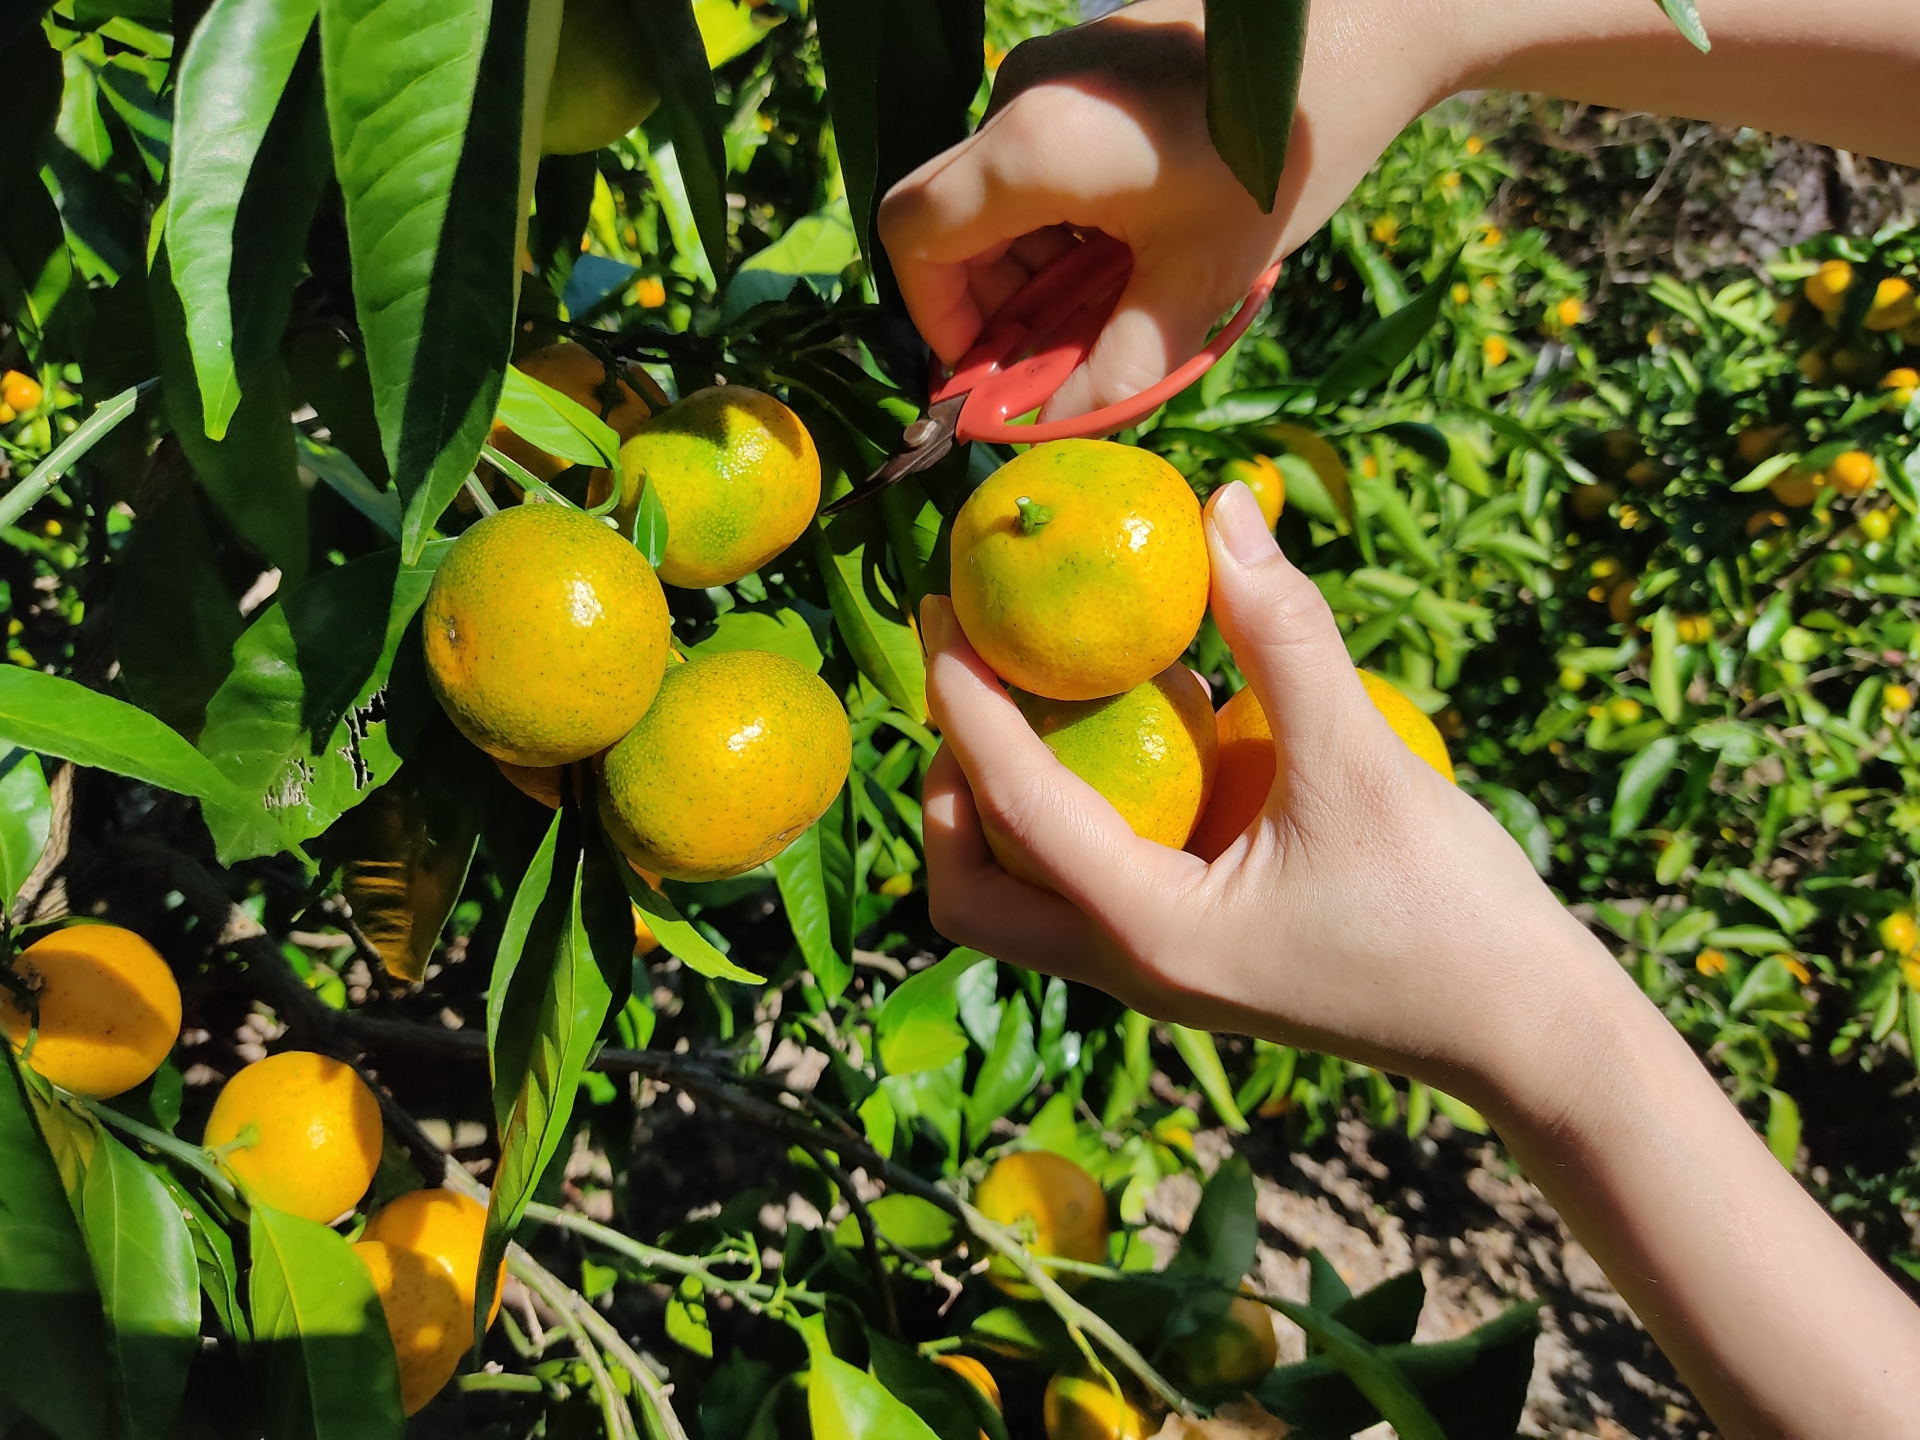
(1029, 347)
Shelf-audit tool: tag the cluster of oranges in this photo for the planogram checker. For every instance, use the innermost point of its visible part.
(1831, 356)
(20, 393)
(1080, 575)
(547, 633)
(1059, 1212)
(297, 1131)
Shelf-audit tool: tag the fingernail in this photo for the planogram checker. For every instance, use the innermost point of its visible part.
(936, 622)
(1242, 528)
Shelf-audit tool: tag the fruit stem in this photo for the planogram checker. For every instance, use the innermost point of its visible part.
(1032, 514)
(193, 1156)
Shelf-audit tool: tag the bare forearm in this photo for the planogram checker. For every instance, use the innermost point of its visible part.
(1777, 1321)
(1832, 71)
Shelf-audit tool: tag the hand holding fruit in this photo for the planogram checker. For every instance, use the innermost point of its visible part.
(1370, 909)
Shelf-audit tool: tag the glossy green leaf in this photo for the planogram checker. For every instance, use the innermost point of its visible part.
(61, 718)
(848, 1404)
(1374, 357)
(425, 109)
(1757, 890)
(530, 897)
(1783, 1127)
(342, 474)
(690, 114)
(230, 82)
(687, 1318)
(1640, 780)
(174, 618)
(1254, 53)
(1685, 15)
(542, 1032)
(780, 631)
(149, 1282)
(1224, 1232)
(325, 1357)
(820, 933)
(867, 613)
(918, 1026)
(302, 724)
(1008, 1074)
(213, 1257)
(1374, 1374)
(678, 937)
(905, 1220)
(26, 817)
(556, 423)
(1196, 1047)
(949, 1405)
(51, 1329)
(1388, 1313)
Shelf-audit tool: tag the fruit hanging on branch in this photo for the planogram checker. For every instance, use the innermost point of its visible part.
(300, 1131)
(601, 85)
(109, 1009)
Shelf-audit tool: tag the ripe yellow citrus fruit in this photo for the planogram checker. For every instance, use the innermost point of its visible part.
(305, 1132)
(546, 635)
(446, 1228)
(1266, 480)
(601, 87)
(1248, 760)
(1080, 569)
(1235, 1350)
(1056, 1207)
(430, 1327)
(1853, 473)
(109, 1009)
(1494, 350)
(974, 1373)
(1899, 934)
(577, 373)
(737, 756)
(737, 475)
(1796, 487)
(21, 391)
(1892, 304)
(1876, 524)
(1150, 753)
(1080, 1406)
(1826, 288)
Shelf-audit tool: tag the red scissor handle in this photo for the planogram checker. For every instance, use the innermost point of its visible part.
(1039, 337)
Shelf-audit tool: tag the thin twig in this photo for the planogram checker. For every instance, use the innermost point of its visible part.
(756, 1297)
(869, 1232)
(652, 1392)
(613, 1408)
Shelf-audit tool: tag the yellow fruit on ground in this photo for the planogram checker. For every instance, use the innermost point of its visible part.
(601, 86)
(546, 635)
(737, 475)
(446, 1228)
(1826, 288)
(1080, 569)
(1796, 487)
(739, 754)
(576, 373)
(315, 1133)
(1245, 770)
(1892, 304)
(1080, 1406)
(1235, 1350)
(1150, 753)
(1853, 473)
(109, 1009)
(21, 391)
(431, 1328)
(1057, 1208)
(1899, 934)
(1266, 480)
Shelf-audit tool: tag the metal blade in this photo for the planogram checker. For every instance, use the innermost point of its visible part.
(935, 442)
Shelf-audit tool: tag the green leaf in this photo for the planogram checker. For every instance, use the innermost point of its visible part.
(801, 873)
(556, 423)
(1389, 1312)
(1374, 1374)
(689, 113)
(342, 474)
(1762, 474)
(1008, 1074)
(917, 1025)
(1783, 1127)
(302, 726)
(174, 619)
(1749, 939)
(231, 78)
(906, 1220)
(250, 472)
(1196, 1047)
(1640, 780)
(1374, 357)
(1662, 678)
(687, 1318)
(425, 104)
(1757, 890)
(50, 1322)
(848, 1404)
(26, 817)
(64, 719)
(781, 631)
(947, 1403)
(541, 1036)
(326, 1357)
(213, 1256)
(868, 614)
(149, 1283)
(1254, 52)
(1686, 17)
(1224, 1232)
(678, 937)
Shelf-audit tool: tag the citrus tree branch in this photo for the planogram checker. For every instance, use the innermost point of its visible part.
(756, 1297)
(613, 1409)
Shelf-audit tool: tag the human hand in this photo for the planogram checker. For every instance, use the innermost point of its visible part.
(1104, 127)
(1372, 910)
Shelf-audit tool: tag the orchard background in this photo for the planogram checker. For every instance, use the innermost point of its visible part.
(1542, 393)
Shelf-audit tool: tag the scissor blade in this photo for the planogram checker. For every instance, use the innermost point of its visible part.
(933, 448)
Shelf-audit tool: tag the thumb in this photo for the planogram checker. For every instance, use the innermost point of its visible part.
(1283, 635)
